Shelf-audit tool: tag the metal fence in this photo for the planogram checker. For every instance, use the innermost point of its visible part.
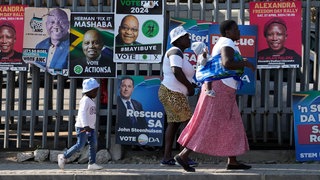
(38, 110)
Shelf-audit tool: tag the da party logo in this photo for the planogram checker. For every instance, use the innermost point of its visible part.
(143, 139)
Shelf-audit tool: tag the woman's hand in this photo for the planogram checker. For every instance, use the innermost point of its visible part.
(191, 91)
(249, 64)
(87, 128)
(227, 59)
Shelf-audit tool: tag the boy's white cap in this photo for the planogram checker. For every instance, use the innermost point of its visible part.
(176, 33)
(89, 84)
(198, 47)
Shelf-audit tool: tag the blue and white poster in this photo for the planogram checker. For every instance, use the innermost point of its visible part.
(306, 111)
(140, 115)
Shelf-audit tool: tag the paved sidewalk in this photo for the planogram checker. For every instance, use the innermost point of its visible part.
(31, 171)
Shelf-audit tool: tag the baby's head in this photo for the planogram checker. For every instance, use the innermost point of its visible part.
(198, 47)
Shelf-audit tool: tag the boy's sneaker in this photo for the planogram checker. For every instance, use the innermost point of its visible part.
(170, 162)
(211, 93)
(61, 161)
(94, 166)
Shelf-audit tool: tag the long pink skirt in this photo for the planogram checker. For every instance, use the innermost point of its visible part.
(216, 127)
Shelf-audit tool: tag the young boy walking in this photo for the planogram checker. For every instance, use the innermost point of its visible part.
(85, 125)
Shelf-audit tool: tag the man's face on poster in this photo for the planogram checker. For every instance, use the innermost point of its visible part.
(129, 30)
(7, 39)
(276, 36)
(126, 88)
(57, 25)
(92, 45)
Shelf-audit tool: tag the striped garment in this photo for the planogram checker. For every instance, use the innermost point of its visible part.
(216, 127)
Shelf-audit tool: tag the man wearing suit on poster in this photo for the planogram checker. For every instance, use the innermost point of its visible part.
(94, 52)
(126, 104)
(57, 44)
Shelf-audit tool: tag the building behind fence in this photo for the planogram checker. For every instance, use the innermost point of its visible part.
(38, 109)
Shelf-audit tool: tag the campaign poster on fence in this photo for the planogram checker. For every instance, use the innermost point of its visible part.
(247, 48)
(306, 111)
(187, 25)
(198, 31)
(91, 45)
(46, 39)
(140, 114)
(11, 38)
(279, 33)
(139, 31)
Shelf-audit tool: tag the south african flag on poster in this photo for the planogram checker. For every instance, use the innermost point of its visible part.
(91, 45)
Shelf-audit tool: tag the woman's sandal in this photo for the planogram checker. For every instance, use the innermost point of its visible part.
(185, 165)
(170, 162)
(238, 166)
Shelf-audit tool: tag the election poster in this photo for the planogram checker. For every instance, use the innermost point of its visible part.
(306, 111)
(46, 39)
(139, 31)
(279, 33)
(91, 45)
(209, 33)
(186, 23)
(11, 38)
(140, 114)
